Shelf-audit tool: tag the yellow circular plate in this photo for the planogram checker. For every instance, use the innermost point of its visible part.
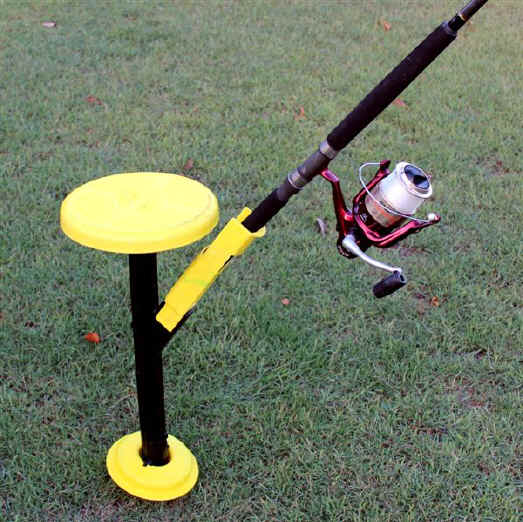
(139, 212)
(173, 480)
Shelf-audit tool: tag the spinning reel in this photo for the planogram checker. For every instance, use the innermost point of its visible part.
(381, 216)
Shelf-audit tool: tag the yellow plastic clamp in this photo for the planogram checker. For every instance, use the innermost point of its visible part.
(204, 269)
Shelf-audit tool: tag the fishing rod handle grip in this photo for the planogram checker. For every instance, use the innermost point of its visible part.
(391, 86)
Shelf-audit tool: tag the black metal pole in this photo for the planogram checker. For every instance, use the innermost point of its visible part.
(148, 359)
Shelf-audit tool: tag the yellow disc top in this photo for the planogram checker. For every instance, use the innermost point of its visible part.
(139, 212)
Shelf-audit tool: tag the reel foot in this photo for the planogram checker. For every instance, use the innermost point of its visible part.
(173, 480)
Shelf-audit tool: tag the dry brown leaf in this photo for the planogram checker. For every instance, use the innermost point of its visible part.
(399, 102)
(484, 468)
(322, 226)
(93, 100)
(92, 337)
(189, 164)
(386, 25)
(435, 301)
(301, 114)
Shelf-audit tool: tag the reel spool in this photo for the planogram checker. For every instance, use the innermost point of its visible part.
(397, 197)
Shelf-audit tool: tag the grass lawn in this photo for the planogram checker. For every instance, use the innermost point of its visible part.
(332, 406)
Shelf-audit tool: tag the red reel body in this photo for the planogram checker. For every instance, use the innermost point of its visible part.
(359, 221)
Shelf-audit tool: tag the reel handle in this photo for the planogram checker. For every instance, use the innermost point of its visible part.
(389, 284)
(386, 286)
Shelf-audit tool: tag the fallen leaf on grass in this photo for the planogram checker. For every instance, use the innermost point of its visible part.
(189, 164)
(386, 25)
(301, 114)
(92, 337)
(473, 403)
(285, 301)
(49, 24)
(435, 301)
(93, 100)
(322, 226)
(399, 103)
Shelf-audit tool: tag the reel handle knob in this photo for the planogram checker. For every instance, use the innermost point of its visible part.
(389, 285)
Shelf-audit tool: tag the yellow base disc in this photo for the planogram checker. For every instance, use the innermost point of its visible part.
(173, 480)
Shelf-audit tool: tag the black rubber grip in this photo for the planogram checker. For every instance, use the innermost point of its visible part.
(389, 285)
(391, 86)
(268, 208)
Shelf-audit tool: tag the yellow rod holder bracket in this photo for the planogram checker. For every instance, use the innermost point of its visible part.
(232, 241)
